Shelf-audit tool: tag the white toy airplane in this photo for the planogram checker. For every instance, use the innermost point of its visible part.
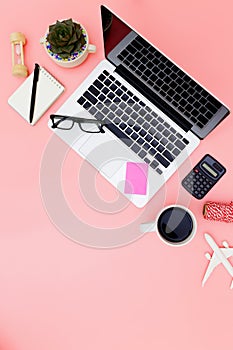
(220, 256)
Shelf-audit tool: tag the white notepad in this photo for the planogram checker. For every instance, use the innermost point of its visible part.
(48, 90)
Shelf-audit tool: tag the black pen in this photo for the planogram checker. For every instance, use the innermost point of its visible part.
(34, 87)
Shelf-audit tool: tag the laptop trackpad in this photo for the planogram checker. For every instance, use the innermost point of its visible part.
(105, 154)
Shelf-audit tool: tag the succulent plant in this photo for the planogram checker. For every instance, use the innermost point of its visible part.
(65, 37)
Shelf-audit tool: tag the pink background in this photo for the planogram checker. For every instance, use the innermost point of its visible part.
(57, 294)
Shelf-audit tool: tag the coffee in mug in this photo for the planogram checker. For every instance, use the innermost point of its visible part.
(175, 225)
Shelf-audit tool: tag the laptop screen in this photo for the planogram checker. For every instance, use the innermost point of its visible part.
(151, 70)
(114, 30)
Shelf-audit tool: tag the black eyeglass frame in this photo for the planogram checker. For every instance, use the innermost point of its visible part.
(78, 120)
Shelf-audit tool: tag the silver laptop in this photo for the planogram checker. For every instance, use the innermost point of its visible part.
(154, 113)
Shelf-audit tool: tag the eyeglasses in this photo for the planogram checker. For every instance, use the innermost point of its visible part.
(67, 122)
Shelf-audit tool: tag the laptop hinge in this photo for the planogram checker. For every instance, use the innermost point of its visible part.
(153, 97)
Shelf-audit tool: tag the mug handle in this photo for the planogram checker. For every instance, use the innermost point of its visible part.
(91, 48)
(148, 227)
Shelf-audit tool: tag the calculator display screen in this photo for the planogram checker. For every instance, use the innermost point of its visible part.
(209, 169)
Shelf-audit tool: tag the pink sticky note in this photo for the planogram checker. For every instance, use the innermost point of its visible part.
(136, 178)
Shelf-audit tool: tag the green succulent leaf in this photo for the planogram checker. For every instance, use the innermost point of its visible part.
(65, 37)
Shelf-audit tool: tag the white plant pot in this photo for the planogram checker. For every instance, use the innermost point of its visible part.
(76, 58)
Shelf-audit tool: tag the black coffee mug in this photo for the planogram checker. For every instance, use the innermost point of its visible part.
(175, 225)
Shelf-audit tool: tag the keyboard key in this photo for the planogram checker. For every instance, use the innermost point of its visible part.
(145, 125)
(128, 110)
(136, 107)
(180, 144)
(154, 143)
(113, 87)
(160, 148)
(98, 84)
(160, 120)
(164, 141)
(142, 154)
(119, 112)
(128, 131)
(160, 127)
(142, 132)
(146, 146)
(162, 160)
(125, 97)
(87, 105)
(158, 136)
(117, 120)
(166, 133)
(136, 127)
(170, 146)
(134, 136)
(93, 110)
(102, 77)
(101, 97)
(140, 121)
(107, 82)
(152, 131)
(154, 114)
(168, 155)
(111, 95)
(119, 92)
(105, 90)
(135, 148)
(176, 151)
(172, 138)
(99, 116)
(122, 125)
(154, 164)
(185, 141)
(154, 122)
(142, 112)
(159, 171)
(122, 105)
(81, 100)
(147, 160)
(124, 117)
(148, 138)
(152, 151)
(131, 122)
(148, 117)
(140, 141)
(112, 106)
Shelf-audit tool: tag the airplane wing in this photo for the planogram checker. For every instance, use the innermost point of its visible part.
(211, 266)
(214, 262)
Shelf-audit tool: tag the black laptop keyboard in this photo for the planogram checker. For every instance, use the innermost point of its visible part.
(145, 132)
(169, 81)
